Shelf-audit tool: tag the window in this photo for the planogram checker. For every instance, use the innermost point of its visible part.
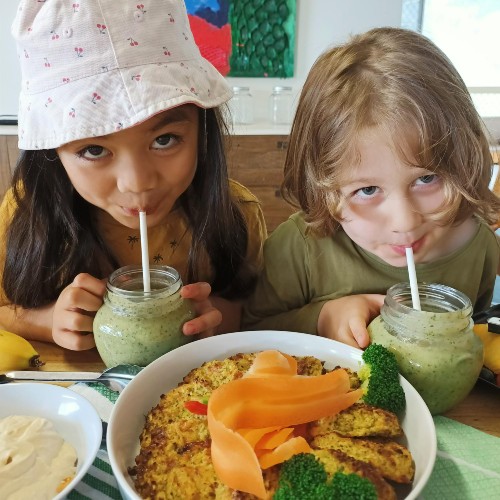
(468, 33)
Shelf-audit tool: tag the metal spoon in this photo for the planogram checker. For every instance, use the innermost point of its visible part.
(115, 378)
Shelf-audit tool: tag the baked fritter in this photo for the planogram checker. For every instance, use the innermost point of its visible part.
(171, 406)
(215, 373)
(334, 461)
(174, 459)
(353, 377)
(391, 459)
(359, 420)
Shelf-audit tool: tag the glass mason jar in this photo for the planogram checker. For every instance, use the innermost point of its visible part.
(280, 106)
(241, 106)
(136, 327)
(436, 348)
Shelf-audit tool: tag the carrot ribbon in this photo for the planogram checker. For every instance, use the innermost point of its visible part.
(252, 420)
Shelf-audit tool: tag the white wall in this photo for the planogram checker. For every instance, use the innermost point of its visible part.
(321, 23)
(10, 79)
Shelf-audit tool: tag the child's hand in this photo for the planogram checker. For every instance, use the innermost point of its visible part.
(74, 312)
(346, 319)
(209, 318)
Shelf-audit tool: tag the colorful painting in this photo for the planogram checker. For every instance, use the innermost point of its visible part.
(245, 38)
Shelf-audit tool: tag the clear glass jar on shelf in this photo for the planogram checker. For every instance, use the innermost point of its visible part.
(241, 105)
(136, 327)
(280, 105)
(436, 348)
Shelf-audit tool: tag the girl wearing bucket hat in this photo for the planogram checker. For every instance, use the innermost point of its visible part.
(119, 113)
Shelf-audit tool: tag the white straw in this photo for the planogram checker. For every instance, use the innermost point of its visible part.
(145, 252)
(415, 297)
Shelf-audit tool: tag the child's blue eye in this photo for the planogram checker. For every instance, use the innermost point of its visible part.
(427, 179)
(367, 191)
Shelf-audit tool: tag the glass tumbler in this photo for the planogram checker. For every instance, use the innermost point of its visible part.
(241, 105)
(280, 105)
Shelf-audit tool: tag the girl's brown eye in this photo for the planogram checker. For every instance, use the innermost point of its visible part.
(95, 150)
(165, 141)
(91, 152)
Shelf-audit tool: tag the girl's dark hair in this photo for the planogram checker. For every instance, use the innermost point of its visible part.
(52, 236)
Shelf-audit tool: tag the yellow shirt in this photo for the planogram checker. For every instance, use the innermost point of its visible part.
(168, 243)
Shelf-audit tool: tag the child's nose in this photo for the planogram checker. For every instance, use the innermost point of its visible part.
(135, 175)
(403, 216)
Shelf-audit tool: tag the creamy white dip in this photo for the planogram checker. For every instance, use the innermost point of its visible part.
(34, 459)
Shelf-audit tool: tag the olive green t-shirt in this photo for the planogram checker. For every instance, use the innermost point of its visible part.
(303, 271)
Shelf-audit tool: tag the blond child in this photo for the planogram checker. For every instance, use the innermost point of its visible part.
(386, 152)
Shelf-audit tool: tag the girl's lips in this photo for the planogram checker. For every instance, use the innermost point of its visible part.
(401, 249)
(134, 212)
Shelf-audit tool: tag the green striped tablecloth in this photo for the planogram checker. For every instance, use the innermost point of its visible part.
(467, 463)
(99, 483)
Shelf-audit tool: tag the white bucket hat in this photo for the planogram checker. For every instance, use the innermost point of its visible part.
(93, 67)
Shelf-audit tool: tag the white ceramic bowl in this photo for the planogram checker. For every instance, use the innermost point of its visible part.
(72, 416)
(143, 393)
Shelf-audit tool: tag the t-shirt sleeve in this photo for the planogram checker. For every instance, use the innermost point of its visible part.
(491, 248)
(256, 225)
(283, 298)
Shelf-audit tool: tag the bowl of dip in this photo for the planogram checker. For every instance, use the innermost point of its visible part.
(144, 392)
(53, 424)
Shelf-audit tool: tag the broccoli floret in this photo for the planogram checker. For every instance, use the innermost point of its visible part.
(380, 379)
(352, 487)
(303, 477)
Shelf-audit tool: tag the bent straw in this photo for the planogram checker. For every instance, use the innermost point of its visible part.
(415, 297)
(144, 252)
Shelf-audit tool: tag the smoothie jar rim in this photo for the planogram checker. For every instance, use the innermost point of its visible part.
(399, 295)
(159, 273)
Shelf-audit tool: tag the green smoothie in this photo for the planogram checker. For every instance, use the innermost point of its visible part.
(136, 327)
(443, 367)
(436, 348)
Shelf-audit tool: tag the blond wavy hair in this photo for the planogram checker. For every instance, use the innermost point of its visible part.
(400, 81)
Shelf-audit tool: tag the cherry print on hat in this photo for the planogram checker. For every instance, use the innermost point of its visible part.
(101, 65)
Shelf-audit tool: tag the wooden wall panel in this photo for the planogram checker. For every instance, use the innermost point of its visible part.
(8, 150)
(257, 162)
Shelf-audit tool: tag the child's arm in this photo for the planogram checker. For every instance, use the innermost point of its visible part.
(67, 322)
(346, 319)
(32, 324)
(298, 284)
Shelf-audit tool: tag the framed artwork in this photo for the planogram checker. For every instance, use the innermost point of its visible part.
(245, 38)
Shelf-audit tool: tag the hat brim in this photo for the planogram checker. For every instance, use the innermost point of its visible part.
(78, 109)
